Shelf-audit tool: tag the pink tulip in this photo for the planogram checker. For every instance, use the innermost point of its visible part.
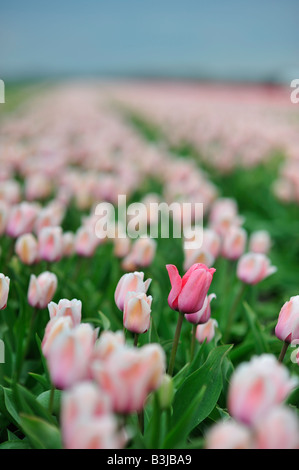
(141, 255)
(211, 242)
(287, 328)
(69, 355)
(21, 219)
(4, 290)
(254, 267)
(188, 294)
(260, 242)
(86, 241)
(82, 404)
(198, 256)
(27, 248)
(206, 331)
(130, 282)
(41, 289)
(107, 343)
(228, 435)
(128, 375)
(279, 429)
(137, 310)
(256, 387)
(54, 327)
(234, 242)
(66, 308)
(68, 243)
(203, 315)
(50, 243)
(100, 433)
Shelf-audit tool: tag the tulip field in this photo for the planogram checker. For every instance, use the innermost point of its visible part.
(122, 342)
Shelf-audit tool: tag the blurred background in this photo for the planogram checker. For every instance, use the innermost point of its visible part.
(231, 40)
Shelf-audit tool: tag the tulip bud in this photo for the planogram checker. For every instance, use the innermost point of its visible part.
(137, 309)
(254, 267)
(260, 242)
(228, 435)
(50, 243)
(4, 290)
(188, 294)
(257, 386)
(234, 243)
(279, 429)
(41, 289)
(66, 308)
(206, 331)
(27, 248)
(203, 315)
(165, 392)
(130, 282)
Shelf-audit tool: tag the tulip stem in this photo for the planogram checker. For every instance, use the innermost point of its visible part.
(175, 343)
(283, 351)
(193, 340)
(231, 315)
(136, 339)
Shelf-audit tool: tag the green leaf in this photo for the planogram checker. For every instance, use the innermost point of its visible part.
(41, 434)
(44, 399)
(19, 444)
(256, 329)
(201, 390)
(40, 379)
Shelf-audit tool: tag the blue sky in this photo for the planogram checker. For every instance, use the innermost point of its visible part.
(249, 39)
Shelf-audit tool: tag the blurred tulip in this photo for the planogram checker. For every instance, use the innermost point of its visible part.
(68, 243)
(260, 242)
(254, 267)
(4, 211)
(50, 244)
(66, 308)
(228, 435)
(130, 282)
(41, 289)
(4, 290)
(107, 343)
(279, 429)
(54, 327)
(21, 219)
(234, 243)
(85, 241)
(141, 254)
(206, 331)
(27, 248)
(137, 310)
(256, 387)
(188, 294)
(166, 392)
(128, 375)
(69, 355)
(287, 328)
